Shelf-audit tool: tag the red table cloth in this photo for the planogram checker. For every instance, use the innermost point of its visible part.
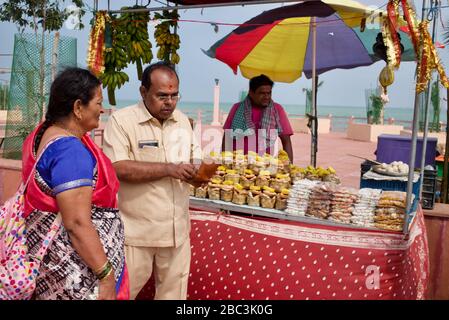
(238, 257)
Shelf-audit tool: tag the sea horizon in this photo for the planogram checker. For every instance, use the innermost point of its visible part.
(401, 114)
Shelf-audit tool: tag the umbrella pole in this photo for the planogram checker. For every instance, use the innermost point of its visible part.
(313, 128)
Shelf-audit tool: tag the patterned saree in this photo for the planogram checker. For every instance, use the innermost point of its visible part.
(63, 275)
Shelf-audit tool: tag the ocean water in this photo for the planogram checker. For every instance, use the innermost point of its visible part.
(340, 114)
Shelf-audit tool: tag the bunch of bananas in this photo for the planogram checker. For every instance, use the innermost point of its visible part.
(167, 42)
(116, 59)
(135, 25)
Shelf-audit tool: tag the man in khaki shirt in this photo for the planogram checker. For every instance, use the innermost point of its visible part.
(151, 146)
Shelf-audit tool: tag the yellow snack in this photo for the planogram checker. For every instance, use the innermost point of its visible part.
(221, 168)
(228, 183)
(282, 154)
(238, 186)
(331, 170)
(254, 188)
(266, 188)
(230, 171)
(264, 173)
(285, 191)
(249, 171)
(215, 181)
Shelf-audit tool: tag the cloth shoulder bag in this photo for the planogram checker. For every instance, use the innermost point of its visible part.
(18, 272)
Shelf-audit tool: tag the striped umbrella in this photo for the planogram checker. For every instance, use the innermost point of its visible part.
(310, 37)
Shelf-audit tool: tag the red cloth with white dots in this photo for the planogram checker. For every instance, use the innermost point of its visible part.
(236, 257)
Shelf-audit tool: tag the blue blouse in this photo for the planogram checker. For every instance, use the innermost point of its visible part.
(67, 164)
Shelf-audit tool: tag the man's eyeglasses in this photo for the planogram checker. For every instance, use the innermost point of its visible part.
(167, 97)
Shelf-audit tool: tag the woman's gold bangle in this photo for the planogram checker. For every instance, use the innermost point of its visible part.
(104, 271)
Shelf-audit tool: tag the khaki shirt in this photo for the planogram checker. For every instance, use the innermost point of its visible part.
(155, 213)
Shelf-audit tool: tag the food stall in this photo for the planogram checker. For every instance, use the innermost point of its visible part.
(264, 229)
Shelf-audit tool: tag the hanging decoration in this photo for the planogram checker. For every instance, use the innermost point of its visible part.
(390, 35)
(412, 24)
(167, 41)
(116, 59)
(135, 24)
(428, 61)
(95, 54)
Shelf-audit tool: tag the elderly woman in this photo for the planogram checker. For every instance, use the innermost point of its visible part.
(74, 180)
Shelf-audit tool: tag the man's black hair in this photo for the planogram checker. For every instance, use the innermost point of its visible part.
(259, 81)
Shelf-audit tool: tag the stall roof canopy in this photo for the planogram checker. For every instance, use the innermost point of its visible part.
(193, 2)
(206, 2)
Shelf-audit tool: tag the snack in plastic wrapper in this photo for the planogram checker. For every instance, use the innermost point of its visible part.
(201, 192)
(281, 200)
(232, 175)
(253, 198)
(268, 198)
(226, 192)
(239, 195)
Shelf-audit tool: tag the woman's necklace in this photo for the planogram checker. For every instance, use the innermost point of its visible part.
(69, 131)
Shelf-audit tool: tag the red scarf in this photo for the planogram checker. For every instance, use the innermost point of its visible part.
(105, 191)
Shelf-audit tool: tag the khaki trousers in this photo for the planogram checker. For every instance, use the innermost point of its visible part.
(171, 270)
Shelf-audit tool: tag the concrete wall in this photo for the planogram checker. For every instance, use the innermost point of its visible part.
(10, 177)
(300, 125)
(370, 132)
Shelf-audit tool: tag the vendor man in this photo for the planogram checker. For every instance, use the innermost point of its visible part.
(255, 123)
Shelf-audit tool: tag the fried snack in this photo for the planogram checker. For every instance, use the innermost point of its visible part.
(253, 198)
(221, 171)
(281, 200)
(227, 190)
(282, 181)
(247, 179)
(268, 198)
(333, 178)
(258, 165)
(263, 179)
(232, 175)
(228, 157)
(201, 191)
(191, 190)
(239, 164)
(283, 158)
(213, 189)
(217, 177)
(239, 195)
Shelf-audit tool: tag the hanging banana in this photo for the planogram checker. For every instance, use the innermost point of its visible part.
(135, 25)
(116, 60)
(167, 42)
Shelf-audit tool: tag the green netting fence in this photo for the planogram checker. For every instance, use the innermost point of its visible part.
(28, 89)
(4, 91)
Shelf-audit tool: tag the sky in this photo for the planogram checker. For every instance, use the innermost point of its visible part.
(198, 71)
